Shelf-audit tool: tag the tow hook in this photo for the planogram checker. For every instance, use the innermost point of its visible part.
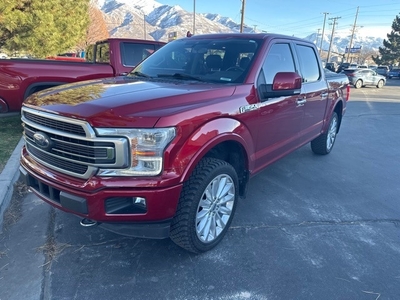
(87, 222)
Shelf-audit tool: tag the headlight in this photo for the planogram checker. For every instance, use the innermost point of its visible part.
(146, 150)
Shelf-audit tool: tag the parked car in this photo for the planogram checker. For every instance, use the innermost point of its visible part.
(342, 67)
(331, 66)
(363, 77)
(394, 72)
(382, 70)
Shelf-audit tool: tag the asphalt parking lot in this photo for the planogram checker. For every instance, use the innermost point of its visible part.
(311, 227)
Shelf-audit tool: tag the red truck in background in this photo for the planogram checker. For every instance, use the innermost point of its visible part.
(20, 78)
(168, 150)
(69, 56)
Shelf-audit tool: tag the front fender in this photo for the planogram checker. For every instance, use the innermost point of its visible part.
(206, 137)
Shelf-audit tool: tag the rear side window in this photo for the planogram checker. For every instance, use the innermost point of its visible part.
(308, 63)
(103, 53)
(134, 53)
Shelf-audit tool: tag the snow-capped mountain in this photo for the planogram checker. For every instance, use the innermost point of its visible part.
(150, 19)
(342, 40)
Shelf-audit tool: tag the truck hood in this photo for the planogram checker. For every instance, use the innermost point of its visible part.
(123, 101)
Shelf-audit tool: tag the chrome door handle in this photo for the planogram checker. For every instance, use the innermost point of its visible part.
(301, 102)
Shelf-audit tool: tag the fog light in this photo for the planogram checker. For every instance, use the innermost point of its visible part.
(140, 202)
(125, 205)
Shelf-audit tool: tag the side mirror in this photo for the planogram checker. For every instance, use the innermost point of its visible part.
(284, 84)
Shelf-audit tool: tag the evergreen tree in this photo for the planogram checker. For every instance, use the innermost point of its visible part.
(390, 53)
(42, 27)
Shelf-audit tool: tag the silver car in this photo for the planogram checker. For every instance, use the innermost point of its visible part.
(363, 77)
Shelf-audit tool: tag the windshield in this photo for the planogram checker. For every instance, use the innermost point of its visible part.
(206, 60)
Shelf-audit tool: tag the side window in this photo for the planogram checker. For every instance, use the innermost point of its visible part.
(90, 53)
(103, 53)
(308, 63)
(279, 59)
(134, 53)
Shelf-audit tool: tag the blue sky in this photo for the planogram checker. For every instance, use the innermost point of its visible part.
(303, 17)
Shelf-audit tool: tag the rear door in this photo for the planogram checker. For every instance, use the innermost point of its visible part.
(367, 77)
(315, 88)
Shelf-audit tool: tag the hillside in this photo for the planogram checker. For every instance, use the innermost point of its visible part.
(149, 19)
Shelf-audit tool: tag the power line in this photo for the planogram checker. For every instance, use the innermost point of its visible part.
(298, 26)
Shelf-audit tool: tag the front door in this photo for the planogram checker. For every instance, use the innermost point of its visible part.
(280, 118)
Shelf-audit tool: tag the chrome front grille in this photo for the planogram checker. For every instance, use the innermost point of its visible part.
(70, 146)
(55, 161)
(55, 124)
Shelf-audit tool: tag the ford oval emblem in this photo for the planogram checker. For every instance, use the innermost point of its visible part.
(42, 140)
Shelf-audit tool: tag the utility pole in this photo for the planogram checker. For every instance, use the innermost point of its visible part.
(316, 40)
(242, 18)
(333, 31)
(323, 32)
(194, 16)
(144, 26)
(352, 35)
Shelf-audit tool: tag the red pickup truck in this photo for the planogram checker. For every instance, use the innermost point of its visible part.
(19, 78)
(168, 150)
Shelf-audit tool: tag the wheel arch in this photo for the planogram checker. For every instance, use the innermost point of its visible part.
(225, 139)
(39, 86)
(359, 80)
(339, 111)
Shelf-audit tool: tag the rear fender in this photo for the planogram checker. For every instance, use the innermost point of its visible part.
(337, 106)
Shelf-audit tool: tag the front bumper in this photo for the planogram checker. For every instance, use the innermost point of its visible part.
(88, 199)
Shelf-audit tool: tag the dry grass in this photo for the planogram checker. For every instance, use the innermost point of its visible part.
(51, 249)
(14, 210)
(10, 134)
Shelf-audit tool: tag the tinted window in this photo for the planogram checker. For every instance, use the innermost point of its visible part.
(279, 59)
(209, 60)
(308, 63)
(134, 53)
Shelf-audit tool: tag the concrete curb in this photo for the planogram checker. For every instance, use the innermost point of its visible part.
(8, 177)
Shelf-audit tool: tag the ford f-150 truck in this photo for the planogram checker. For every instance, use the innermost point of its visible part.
(168, 150)
(19, 78)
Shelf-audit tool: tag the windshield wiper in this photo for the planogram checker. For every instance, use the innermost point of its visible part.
(139, 74)
(181, 76)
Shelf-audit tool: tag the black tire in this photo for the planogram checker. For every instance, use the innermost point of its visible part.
(358, 84)
(195, 211)
(323, 144)
(380, 84)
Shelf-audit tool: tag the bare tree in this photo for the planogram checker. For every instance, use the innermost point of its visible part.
(97, 29)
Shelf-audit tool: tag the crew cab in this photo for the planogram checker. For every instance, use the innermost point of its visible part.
(20, 78)
(168, 150)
